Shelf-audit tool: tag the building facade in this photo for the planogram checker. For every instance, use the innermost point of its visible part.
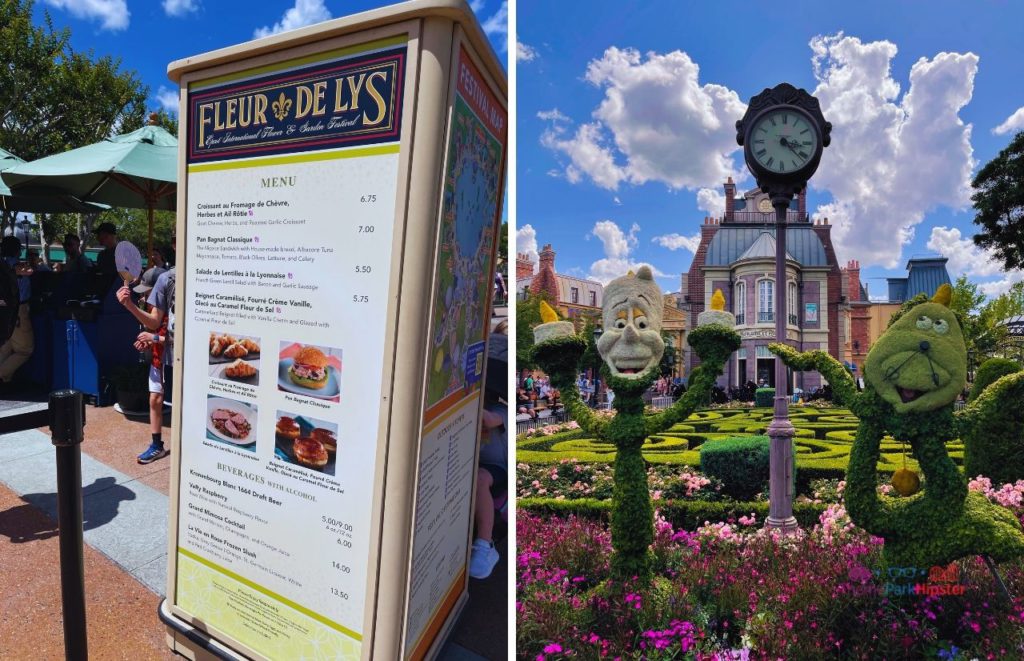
(737, 255)
(573, 297)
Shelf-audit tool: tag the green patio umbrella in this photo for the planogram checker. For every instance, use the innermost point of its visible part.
(137, 170)
(48, 203)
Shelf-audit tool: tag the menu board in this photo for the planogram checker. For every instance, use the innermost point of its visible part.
(291, 203)
(470, 204)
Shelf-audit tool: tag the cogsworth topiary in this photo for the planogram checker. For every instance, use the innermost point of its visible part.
(913, 375)
(631, 348)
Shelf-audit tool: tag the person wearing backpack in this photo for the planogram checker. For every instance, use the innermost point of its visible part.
(15, 317)
(161, 312)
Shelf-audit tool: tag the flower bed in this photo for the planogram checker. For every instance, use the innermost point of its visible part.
(733, 590)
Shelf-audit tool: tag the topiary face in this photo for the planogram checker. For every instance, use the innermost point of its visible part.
(631, 343)
(920, 363)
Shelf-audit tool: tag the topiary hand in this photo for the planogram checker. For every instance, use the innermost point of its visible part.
(560, 358)
(844, 391)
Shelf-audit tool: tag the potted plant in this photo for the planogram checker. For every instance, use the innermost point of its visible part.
(132, 384)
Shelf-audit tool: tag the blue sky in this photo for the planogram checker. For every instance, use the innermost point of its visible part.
(626, 117)
(148, 35)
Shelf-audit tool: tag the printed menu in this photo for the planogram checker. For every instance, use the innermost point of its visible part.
(292, 184)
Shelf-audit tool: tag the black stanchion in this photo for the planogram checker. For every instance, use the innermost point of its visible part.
(67, 419)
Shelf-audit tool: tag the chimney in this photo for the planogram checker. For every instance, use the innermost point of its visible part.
(730, 199)
(524, 267)
(853, 279)
(547, 257)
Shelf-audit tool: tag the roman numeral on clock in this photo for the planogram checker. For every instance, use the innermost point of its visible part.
(770, 161)
(762, 152)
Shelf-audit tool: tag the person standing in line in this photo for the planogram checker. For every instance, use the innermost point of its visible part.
(74, 260)
(160, 315)
(16, 351)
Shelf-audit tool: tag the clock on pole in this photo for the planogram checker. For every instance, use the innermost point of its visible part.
(783, 134)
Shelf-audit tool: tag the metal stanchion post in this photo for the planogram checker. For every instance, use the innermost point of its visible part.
(67, 419)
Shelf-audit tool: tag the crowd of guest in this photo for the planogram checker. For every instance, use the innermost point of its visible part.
(534, 394)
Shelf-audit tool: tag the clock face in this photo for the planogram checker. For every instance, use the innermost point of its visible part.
(783, 140)
(765, 205)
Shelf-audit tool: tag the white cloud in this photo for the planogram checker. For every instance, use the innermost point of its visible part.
(963, 255)
(525, 53)
(112, 14)
(168, 99)
(999, 287)
(711, 200)
(305, 12)
(655, 123)
(1014, 122)
(891, 160)
(553, 115)
(676, 241)
(617, 201)
(180, 7)
(476, 5)
(497, 25)
(618, 246)
(526, 243)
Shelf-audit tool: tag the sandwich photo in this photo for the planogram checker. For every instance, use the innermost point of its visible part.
(309, 368)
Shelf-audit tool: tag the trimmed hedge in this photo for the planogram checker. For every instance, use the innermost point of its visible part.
(685, 514)
(741, 463)
(764, 397)
(991, 371)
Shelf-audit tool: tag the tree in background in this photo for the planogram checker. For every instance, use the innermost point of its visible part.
(527, 316)
(999, 202)
(53, 99)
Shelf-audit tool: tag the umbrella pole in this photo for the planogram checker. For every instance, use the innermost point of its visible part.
(149, 245)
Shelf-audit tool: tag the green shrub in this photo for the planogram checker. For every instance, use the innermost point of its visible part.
(741, 464)
(994, 444)
(990, 371)
(764, 397)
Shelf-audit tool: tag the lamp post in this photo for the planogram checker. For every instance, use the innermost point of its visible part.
(783, 134)
(598, 331)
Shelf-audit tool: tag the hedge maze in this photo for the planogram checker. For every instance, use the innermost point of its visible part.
(823, 441)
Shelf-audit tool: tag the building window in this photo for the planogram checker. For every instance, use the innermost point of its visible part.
(765, 301)
(791, 310)
(739, 303)
(574, 295)
(593, 299)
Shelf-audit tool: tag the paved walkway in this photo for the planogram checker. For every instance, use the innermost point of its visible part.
(125, 529)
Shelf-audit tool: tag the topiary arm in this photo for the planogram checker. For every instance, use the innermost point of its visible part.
(560, 358)
(861, 498)
(714, 344)
(844, 390)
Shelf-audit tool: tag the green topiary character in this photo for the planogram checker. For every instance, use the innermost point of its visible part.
(913, 375)
(631, 347)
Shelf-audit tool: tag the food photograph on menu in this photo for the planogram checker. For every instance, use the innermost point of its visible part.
(232, 422)
(306, 441)
(235, 358)
(312, 371)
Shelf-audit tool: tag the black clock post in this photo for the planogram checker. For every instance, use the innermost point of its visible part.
(782, 134)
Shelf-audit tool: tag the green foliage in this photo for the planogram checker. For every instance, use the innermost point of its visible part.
(999, 203)
(764, 397)
(741, 463)
(527, 316)
(989, 372)
(994, 441)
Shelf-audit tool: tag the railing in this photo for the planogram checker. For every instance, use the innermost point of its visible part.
(739, 318)
(765, 317)
(793, 320)
(959, 405)
(522, 426)
(764, 217)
